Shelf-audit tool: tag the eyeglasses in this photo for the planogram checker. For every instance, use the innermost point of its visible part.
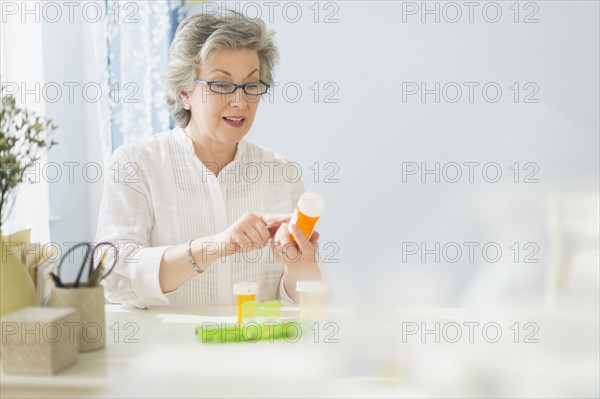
(251, 89)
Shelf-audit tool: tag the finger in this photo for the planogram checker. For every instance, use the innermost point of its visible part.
(303, 243)
(241, 240)
(290, 252)
(252, 244)
(252, 234)
(314, 237)
(262, 231)
(235, 242)
(274, 228)
(275, 219)
(282, 235)
(277, 250)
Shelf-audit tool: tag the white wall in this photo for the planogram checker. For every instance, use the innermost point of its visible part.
(67, 58)
(24, 69)
(63, 206)
(366, 56)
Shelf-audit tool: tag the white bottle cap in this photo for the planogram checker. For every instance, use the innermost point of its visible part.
(245, 288)
(310, 286)
(311, 204)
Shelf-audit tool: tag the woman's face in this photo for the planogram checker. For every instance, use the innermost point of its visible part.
(211, 112)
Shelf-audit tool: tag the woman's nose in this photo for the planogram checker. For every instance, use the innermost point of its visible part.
(238, 99)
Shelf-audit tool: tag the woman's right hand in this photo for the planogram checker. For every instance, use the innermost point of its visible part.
(250, 232)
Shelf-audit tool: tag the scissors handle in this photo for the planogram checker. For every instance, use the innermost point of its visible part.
(88, 246)
(95, 275)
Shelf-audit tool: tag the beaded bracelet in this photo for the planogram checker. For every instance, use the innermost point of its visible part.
(191, 258)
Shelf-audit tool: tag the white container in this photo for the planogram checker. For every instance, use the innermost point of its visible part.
(314, 296)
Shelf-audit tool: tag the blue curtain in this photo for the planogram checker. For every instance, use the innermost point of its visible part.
(132, 49)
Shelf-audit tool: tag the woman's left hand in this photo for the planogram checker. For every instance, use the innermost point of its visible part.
(301, 254)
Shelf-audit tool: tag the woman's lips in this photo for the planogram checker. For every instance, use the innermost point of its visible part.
(235, 121)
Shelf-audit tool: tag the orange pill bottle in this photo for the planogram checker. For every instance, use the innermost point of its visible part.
(244, 292)
(307, 213)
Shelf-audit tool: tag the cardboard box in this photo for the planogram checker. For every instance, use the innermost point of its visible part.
(39, 341)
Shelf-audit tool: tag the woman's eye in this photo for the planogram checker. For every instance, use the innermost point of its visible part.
(222, 86)
(255, 88)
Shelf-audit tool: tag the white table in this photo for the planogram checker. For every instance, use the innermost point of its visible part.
(155, 353)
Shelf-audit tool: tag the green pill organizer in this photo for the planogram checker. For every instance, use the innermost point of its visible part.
(213, 333)
(262, 321)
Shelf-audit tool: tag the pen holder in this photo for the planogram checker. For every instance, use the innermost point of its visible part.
(89, 301)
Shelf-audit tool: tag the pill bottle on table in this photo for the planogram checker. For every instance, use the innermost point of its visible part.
(313, 298)
(245, 291)
(307, 213)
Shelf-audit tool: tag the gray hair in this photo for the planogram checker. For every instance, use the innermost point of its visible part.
(198, 37)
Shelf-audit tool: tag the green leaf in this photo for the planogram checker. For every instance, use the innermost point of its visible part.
(24, 137)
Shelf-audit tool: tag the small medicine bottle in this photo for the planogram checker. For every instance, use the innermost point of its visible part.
(251, 312)
(313, 298)
(307, 213)
(244, 292)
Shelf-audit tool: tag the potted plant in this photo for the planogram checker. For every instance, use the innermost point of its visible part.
(23, 140)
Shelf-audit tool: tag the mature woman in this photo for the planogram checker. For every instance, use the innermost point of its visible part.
(197, 208)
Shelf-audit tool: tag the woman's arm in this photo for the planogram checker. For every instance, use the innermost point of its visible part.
(252, 231)
(175, 268)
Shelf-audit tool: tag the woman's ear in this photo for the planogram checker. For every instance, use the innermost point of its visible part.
(185, 98)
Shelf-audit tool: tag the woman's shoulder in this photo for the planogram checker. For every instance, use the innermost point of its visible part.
(280, 169)
(261, 153)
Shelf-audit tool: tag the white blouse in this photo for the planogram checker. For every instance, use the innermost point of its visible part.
(157, 193)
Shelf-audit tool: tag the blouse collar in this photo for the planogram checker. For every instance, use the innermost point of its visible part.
(183, 138)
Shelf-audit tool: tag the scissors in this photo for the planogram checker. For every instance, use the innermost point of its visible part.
(95, 273)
